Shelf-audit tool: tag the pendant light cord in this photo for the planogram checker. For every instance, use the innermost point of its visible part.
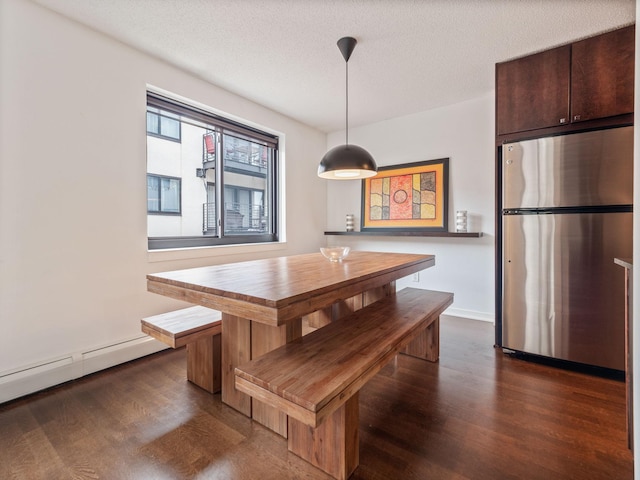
(346, 121)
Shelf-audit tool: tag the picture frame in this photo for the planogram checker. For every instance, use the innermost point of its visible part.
(408, 197)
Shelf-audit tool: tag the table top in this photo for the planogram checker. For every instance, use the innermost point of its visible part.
(283, 287)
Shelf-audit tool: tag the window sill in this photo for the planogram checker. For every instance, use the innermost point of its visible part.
(171, 254)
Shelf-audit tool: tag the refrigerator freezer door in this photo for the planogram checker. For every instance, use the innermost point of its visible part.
(563, 296)
(583, 169)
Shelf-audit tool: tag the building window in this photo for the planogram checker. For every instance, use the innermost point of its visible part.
(162, 125)
(163, 195)
(210, 180)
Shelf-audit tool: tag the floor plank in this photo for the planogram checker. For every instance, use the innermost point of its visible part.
(477, 414)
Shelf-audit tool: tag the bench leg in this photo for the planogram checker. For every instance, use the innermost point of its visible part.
(427, 344)
(203, 363)
(333, 446)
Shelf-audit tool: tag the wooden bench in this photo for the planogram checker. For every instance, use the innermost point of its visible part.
(198, 328)
(315, 379)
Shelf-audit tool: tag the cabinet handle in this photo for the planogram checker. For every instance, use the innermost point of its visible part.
(576, 117)
(563, 120)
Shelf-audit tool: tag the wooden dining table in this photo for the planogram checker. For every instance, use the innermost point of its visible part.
(264, 301)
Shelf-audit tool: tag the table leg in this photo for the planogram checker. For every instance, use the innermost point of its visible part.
(345, 307)
(265, 338)
(320, 318)
(375, 294)
(236, 350)
(342, 308)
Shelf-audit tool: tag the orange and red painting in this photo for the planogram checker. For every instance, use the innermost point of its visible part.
(407, 197)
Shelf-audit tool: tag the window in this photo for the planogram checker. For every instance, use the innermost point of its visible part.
(163, 195)
(210, 180)
(163, 125)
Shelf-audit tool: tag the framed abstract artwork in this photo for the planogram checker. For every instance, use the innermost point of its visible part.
(410, 197)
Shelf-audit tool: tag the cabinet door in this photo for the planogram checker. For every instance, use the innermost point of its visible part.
(602, 75)
(533, 92)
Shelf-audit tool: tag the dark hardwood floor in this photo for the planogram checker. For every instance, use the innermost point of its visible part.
(477, 414)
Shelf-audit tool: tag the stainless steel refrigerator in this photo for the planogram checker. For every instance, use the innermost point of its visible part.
(566, 214)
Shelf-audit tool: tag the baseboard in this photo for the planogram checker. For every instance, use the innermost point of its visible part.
(470, 314)
(33, 378)
(459, 312)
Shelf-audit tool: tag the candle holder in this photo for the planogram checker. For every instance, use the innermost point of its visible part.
(461, 221)
(350, 220)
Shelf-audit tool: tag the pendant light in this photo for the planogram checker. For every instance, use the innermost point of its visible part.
(347, 162)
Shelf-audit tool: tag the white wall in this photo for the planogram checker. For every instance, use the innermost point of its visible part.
(464, 133)
(73, 241)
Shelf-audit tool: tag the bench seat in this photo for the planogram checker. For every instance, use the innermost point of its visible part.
(315, 379)
(198, 328)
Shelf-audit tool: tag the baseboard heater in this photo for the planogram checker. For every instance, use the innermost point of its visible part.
(33, 378)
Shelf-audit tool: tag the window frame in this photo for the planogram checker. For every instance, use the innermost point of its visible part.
(224, 125)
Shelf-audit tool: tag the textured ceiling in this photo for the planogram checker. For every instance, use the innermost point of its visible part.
(411, 55)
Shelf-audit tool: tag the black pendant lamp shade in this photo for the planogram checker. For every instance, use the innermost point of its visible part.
(347, 162)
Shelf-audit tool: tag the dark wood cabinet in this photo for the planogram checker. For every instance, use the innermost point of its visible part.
(586, 80)
(602, 79)
(533, 92)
